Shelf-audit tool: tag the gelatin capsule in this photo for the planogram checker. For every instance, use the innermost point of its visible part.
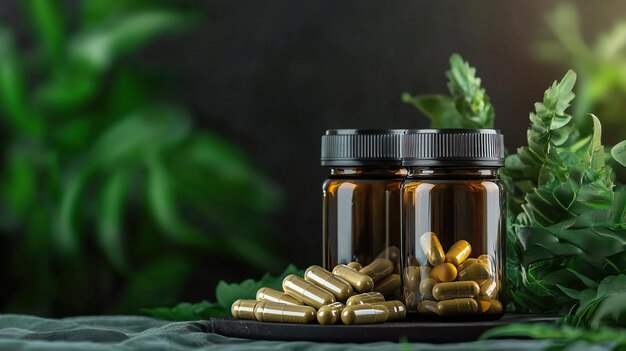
(488, 261)
(475, 271)
(330, 314)
(327, 281)
(426, 288)
(496, 307)
(364, 314)
(378, 269)
(432, 248)
(483, 304)
(281, 313)
(457, 306)
(395, 309)
(459, 252)
(365, 298)
(488, 288)
(455, 290)
(306, 292)
(360, 282)
(354, 265)
(271, 295)
(466, 264)
(243, 309)
(445, 272)
(427, 307)
(389, 285)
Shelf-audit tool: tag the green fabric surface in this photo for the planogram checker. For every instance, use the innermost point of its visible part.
(103, 333)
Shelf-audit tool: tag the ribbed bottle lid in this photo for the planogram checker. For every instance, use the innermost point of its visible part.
(453, 147)
(362, 147)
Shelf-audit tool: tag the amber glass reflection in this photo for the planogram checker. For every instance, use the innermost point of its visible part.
(361, 215)
(466, 204)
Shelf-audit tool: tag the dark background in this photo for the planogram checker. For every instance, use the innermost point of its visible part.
(271, 76)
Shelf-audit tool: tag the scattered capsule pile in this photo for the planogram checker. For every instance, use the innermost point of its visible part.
(350, 294)
(448, 284)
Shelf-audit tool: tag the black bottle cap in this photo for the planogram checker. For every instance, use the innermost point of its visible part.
(453, 147)
(362, 147)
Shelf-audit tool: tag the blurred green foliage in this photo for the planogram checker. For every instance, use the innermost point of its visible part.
(108, 196)
(601, 67)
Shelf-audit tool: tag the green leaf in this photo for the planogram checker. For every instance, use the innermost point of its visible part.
(468, 106)
(228, 293)
(440, 109)
(187, 311)
(99, 47)
(111, 216)
(619, 153)
(13, 88)
(611, 312)
(48, 22)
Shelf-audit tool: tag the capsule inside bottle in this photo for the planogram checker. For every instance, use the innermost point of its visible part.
(432, 248)
(378, 269)
(458, 252)
(455, 290)
(457, 307)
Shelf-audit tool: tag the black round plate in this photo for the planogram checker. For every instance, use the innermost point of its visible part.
(433, 332)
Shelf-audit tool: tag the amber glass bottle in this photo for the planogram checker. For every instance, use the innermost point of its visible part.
(361, 197)
(452, 224)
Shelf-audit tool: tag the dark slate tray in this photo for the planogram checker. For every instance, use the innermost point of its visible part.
(418, 331)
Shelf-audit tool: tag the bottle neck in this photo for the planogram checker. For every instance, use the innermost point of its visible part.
(368, 172)
(454, 173)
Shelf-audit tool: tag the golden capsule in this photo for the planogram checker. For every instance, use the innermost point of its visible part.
(485, 258)
(330, 314)
(426, 288)
(445, 272)
(378, 269)
(364, 314)
(327, 281)
(243, 309)
(483, 304)
(466, 264)
(488, 288)
(432, 248)
(427, 307)
(271, 295)
(475, 271)
(365, 298)
(360, 282)
(496, 307)
(306, 292)
(455, 290)
(266, 311)
(458, 252)
(395, 309)
(389, 285)
(457, 306)
(354, 265)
